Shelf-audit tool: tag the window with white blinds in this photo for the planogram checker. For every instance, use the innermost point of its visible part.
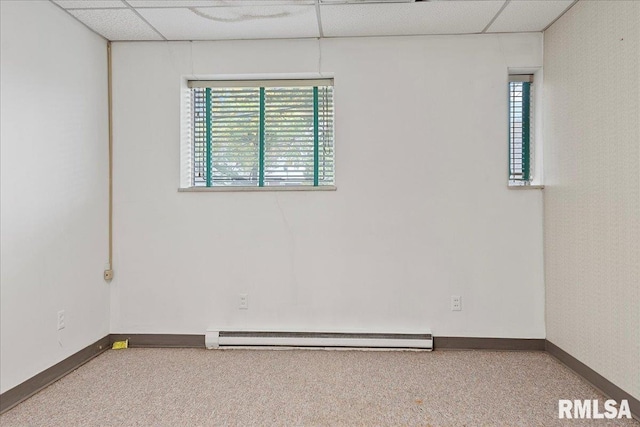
(262, 133)
(520, 131)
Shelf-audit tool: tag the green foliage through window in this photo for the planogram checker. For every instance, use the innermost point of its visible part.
(262, 135)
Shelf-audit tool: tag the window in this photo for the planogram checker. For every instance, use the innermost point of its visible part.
(520, 130)
(262, 133)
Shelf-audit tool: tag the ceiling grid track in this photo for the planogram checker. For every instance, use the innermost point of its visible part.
(332, 20)
(320, 30)
(495, 17)
(561, 15)
(144, 20)
(71, 15)
(92, 8)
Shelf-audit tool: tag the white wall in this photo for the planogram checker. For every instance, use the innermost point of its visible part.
(422, 209)
(592, 195)
(54, 188)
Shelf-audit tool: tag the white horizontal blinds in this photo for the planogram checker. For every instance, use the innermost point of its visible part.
(520, 129)
(515, 130)
(289, 136)
(199, 167)
(259, 83)
(235, 136)
(268, 135)
(326, 166)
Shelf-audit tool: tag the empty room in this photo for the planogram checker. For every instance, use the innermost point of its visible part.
(320, 213)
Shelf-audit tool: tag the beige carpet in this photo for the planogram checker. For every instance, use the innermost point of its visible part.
(192, 387)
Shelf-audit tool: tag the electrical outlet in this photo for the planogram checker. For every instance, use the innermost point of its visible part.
(108, 274)
(244, 302)
(456, 303)
(61, 320)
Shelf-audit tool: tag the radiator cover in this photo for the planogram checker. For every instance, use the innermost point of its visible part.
(227, 339)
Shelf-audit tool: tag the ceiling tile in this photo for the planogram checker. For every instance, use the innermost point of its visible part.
(243, 22)
(379, 19)
(214, 3)
(528, 15)
(89, 4)
(116, 24)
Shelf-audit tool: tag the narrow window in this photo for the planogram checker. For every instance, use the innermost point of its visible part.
(262, 133)
(520, 130)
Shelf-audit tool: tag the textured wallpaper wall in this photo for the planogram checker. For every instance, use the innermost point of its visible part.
(592, 193)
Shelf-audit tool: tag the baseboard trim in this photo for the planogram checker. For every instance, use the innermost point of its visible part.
(605, 386)
(160, 340)
(472, 343)
(23, 391)
(440, 343)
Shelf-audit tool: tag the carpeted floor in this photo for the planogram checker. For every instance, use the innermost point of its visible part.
(192, 387)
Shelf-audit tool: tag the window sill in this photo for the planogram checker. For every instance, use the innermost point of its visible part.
(243, 189)
(525, 187)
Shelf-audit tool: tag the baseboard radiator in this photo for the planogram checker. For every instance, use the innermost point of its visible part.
(229, 339)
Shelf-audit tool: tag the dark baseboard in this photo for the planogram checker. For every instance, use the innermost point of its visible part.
(12, 397)
(467, 343)
(608, 388)
(160, 340)
(440, 343)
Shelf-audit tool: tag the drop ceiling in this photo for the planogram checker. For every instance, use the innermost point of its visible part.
(121, 20)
